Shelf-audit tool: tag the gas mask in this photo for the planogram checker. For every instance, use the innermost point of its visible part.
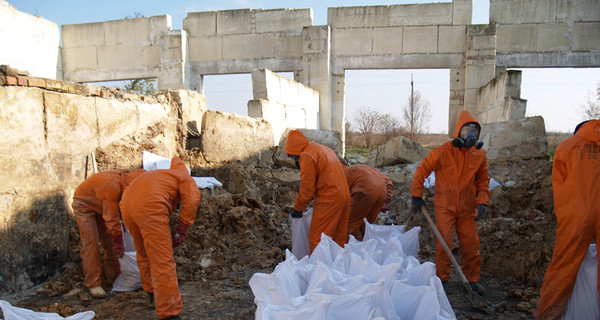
(296, 160)
(468, 137)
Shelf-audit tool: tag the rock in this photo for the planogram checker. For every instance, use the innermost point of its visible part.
(399, 150)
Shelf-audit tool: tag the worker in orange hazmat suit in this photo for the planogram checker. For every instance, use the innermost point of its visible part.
(322, 178)
(370, 192)
(146, 206)
(96, 208)
(461, 196)
(576, 186)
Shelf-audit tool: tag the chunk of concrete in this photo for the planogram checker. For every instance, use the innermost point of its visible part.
(515, 140)
(399, 150)
(230, 137)
(331, 139)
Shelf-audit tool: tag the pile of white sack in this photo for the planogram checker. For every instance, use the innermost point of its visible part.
(378, 278)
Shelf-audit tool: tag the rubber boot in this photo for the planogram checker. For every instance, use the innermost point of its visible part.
(172, 318)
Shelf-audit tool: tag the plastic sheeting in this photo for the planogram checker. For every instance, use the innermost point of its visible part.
(129, 278)
(151, 161)
(585, 300)
(378, 278)
(15, 313)
(300, 229)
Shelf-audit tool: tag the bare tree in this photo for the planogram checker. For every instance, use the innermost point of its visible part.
(366, 120)
(592, 108)
(389, 126)
(416, 113)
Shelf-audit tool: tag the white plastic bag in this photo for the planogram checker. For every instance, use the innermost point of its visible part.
(129, 279)
(585, 300)
(300, 229)
(15, 313)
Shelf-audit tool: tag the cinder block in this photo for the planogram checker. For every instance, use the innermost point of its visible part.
(126, 31)
(553, 37)
(452, 39)
(82, 35)
(128, 56)
(249, 46)
(283, 20)
(358, 17)
(200, 24)
(420, 14)
(346, 42)
(586, 36)
(288, 46)
(578, 11)
(77, 58)
(387, 40)
(205, 49)
(522, 11)
(420, 39)
(517, 38)
(234, 22)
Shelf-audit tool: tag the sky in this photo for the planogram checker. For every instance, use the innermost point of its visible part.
(556, 94)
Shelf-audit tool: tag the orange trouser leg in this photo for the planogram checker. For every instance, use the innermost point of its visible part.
(141, 256)
(468, 242)
(157, 240)
(573, 237)
(111, 266)
(331, 219)
(90, 251)
(445, 224)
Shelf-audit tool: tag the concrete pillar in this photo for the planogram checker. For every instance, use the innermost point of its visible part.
(316, 44)
(338, 108)
(457, 97)
(173, 59)
(480, 62)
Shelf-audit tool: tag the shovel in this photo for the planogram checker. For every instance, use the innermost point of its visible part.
(476, 300)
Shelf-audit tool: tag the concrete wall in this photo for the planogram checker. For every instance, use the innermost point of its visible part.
(115, 50)
(29, 43)
(547, 33)
(49, 128)
(283, 102)
(500, 100)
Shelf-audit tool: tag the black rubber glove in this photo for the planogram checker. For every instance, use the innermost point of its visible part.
(418, 202)
(481, 212)
(296, 214)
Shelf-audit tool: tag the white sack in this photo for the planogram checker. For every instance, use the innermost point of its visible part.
(151, 161)
(585, 300)
(129, 279)
(300, 229)
(429, 183)
(15, 313)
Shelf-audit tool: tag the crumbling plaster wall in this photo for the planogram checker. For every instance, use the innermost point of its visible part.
(49, 128)
(283, 102)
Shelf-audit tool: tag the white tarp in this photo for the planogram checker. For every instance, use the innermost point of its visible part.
(15, 313)
(378, 278)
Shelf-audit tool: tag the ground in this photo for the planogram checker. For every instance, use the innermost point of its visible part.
(243, 228)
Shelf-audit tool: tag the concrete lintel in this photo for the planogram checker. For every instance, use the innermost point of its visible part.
(246, 65)
(397, 61)
(549, 59)
(93, 75)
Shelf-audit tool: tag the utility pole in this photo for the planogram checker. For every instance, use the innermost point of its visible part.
(412, 107)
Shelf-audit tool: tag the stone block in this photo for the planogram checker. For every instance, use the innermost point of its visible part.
(478, 76)
(331, 139)
(283, 20)
(483, 42)
(11, 81)
(399, 150)
(452, 39)
(200, 24)
(247, 139)
(578, 11)
(358, 17)
(126, 31)
(387, 40)
(420, 39)
(462, 10)
(288, 46)
(234, 22)
(36, 82)
(249, 46)
(515, 140)
(420, 14)
(517, 38)
(128, 56)
(553, 37)
(351, 42)
(586, 36)
(522, 11)
(205, 49)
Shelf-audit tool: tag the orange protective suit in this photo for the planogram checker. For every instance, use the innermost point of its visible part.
(96, 208)
(576, 185)
(369, 190)
(461, 183)
(146, 206)
(322, 178)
